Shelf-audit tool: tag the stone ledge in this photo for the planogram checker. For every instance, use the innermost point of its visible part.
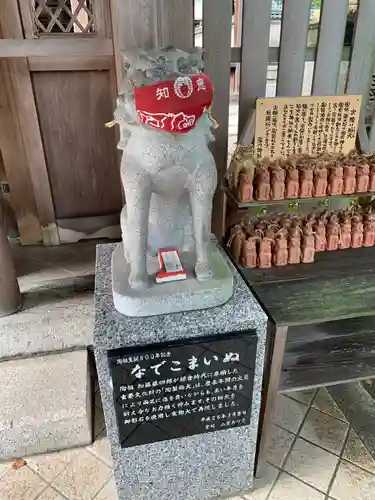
(56, 316)
(45, 404)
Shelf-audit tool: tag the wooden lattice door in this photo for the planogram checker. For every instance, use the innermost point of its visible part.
(69, 73)
(63, 16)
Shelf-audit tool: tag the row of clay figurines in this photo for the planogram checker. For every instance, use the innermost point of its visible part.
(306, 177)
(292, 239)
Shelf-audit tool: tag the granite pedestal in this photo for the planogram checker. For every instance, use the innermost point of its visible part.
(173, 296)
(197, 467)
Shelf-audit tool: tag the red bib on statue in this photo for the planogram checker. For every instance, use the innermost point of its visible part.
(174, 105)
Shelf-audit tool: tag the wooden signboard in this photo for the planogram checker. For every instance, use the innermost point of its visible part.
(313, 125)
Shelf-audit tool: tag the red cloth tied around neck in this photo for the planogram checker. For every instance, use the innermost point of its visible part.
(174, 105)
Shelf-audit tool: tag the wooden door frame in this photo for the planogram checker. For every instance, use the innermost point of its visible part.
(16, 167)
(25, 108)
(25, 52)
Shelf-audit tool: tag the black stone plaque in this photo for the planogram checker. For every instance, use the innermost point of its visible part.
(172, 390)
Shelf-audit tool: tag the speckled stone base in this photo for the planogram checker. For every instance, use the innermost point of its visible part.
(199, 467)
(174, 296)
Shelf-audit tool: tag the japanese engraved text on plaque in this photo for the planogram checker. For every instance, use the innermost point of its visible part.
(311, 125)
(170, 391)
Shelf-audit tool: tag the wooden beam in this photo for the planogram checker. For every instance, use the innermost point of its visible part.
(248, 132)
(330, 44)
(175, 23)
(100, 17)
(294, 30)
(217, 21)
(255, 40)
(363, 138)
(134, 26)
(55, 46)
(27, 19)
(274, 52)
(276, 340)
(237, 40)
(28, 119)
(137, 23)
(10, 296)
(15, 164)
(362, 59)
(70, 63)
(116, 41)
(238, 16)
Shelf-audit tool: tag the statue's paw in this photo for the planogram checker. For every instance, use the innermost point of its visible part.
(139, 282)
(203, 271)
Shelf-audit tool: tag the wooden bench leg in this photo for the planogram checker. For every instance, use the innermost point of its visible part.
(276, 339)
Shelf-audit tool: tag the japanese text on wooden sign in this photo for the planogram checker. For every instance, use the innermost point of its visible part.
(172, 391)
(313, 125)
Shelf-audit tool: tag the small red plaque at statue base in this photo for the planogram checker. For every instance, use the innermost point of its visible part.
(170, 266)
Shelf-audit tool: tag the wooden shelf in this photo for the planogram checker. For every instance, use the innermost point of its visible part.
(337, 286)
(327, 265)
(328, 353)
(251, 204)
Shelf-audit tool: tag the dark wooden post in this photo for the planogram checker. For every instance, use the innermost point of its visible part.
(10, 296)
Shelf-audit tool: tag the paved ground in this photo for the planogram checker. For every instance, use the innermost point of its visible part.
(315, 454)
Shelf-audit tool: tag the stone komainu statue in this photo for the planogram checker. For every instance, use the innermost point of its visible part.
(167, 170)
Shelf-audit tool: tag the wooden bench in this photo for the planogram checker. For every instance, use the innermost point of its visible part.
(321, 325)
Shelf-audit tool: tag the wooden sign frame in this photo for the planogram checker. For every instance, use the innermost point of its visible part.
(311, 125)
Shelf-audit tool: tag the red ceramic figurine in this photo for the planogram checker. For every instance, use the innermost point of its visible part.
(280, 256)
(308, 244)
(294, 255)
(349, 179)
(277, 183)
(369, 230)
(292, 182)
(249, 252)
(307, 183)
(236, 240)
(363, 178)
(336, 181)
(286, 222)
(357, 231)
(265, 252)
(320, 235)
(263, 188)
(245, 186)
(345, 233)
(333, 233)
(372, 179)
(311, 218)
(320, 181)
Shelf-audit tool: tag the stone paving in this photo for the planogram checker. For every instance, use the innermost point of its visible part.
(315, 455)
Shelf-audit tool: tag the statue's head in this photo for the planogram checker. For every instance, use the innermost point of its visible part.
(158, 65)
(166, 89)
